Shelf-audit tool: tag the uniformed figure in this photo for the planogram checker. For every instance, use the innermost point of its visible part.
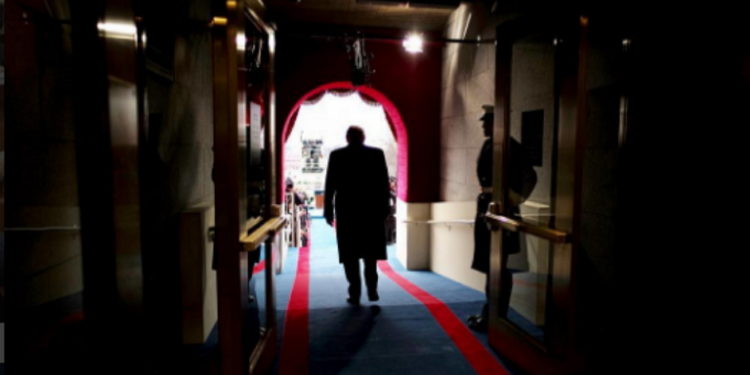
(521, 181)
(484, 175)
(357, 194)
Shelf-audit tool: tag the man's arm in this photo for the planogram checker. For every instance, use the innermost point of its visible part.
(330, 190)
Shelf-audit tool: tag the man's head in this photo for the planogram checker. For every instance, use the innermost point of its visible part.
(488, 119)
(355, 135)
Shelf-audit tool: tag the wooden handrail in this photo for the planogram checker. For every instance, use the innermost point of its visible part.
(443, 221)
(251, 241)
(513, 225)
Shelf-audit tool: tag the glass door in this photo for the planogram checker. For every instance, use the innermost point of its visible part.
(536, 186)
(563, 89)
(244, 153)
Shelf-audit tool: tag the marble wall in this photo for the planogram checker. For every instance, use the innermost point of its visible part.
(468, 82)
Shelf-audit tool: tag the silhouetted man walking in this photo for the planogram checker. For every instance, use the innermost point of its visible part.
(357, 193)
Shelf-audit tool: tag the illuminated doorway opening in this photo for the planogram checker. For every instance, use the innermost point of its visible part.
(317, 127)
(320, 128)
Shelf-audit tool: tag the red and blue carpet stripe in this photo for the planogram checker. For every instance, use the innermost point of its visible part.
(416, 327)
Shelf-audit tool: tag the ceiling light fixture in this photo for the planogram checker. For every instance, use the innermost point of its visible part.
(118, 30)
(413, 43)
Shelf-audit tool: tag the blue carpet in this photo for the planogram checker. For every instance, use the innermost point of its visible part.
(395, 335)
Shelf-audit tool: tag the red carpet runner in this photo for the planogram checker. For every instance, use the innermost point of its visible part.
(478, 356)
(295, 344)
(296, 334)
(259, 267)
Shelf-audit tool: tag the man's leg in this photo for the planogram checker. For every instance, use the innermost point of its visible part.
(507, 281)
(351, 269)
(511, 242)
(486, 307)
(371, 279)
(479, 322)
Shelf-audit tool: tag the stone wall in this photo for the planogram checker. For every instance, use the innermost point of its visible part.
(468, 82)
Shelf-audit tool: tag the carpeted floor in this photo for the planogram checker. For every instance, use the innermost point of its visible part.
(416, 327)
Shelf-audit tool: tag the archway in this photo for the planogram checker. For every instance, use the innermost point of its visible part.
(392, 115)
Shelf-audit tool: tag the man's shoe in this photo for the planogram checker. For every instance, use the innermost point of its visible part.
(373, 296)
(473, 318)
(479, 324)
(353, 301)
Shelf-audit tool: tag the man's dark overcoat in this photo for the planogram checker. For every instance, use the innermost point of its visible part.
(357, 193)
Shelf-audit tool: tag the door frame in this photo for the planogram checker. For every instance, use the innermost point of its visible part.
(559, 353)
(236, 237)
